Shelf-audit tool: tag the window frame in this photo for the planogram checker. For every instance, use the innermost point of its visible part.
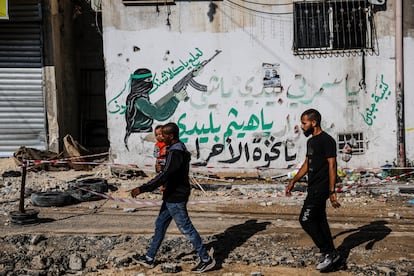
(354, 139)
(315, 23)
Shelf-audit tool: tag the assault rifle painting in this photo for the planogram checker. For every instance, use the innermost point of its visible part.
(140, 112)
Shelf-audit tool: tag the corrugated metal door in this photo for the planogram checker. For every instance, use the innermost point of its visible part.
(22, 109)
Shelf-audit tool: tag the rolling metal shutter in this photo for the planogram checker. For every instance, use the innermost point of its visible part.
(22, 108)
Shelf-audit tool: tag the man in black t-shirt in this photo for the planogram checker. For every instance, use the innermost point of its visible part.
(320, 165)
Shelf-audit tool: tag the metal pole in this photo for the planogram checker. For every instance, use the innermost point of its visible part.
(22, 188)
(399, 87)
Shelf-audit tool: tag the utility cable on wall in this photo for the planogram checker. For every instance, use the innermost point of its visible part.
(258, 11)
(267, 4)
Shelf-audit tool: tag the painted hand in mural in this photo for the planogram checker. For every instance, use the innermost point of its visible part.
(182, 95)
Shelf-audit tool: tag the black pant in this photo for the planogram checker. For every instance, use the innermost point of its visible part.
(314, 221)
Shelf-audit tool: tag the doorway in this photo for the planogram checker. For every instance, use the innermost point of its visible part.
(90, 72)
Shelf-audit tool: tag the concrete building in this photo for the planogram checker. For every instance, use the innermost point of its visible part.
(248, 70)
(52, 75)
(263, 63)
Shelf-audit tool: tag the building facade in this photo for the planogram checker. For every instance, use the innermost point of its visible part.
(52, 77)
(249, 70)
(234, 75)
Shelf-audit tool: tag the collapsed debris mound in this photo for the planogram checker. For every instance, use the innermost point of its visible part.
(74, 156)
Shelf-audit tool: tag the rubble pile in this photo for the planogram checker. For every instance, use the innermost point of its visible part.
(42, 254)
(53, 255)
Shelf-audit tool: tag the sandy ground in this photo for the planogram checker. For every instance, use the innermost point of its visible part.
(374, 229)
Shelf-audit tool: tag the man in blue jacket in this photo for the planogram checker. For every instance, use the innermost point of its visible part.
(174, 178)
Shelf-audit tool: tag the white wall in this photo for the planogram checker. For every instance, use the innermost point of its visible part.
(262, 123)
(409, 97)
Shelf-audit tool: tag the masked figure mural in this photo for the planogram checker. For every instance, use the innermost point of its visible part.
(141, 113)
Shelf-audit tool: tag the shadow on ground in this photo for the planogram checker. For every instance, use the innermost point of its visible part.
(233, 237)
(370, 234)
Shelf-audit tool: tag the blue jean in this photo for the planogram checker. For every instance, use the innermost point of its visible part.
(178, 212)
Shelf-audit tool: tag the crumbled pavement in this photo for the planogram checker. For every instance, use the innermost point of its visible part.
(59, 255)
(80, 254)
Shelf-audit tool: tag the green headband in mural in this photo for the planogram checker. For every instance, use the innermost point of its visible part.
(141, 76)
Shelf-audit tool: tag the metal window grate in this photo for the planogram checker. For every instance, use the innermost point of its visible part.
(333, 27)
(352, 143)
(311, 25)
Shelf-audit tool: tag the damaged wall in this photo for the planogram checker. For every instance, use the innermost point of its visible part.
(408, 44)
(248, 116)
(60, 82)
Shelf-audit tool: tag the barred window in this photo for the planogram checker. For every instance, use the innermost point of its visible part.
(352, 143)
(333, 26)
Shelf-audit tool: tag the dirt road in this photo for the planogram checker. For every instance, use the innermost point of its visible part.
(251, 232)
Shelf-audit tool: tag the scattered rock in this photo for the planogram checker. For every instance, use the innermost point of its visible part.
(92, 264)
(75, 262)
(43, 254)
(130, 210)
(38, 262)
(170, 268)
(36, 239)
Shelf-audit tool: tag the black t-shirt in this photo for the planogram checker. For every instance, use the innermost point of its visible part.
(319, 148)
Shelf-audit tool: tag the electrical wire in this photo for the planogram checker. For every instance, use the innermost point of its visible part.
(257, 11)
(267, 4)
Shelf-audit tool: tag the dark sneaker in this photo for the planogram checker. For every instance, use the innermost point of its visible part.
(328, 261)
(145, 261)
(204, 266)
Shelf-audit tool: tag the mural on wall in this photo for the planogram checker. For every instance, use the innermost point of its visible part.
(140, 112)
(232, 142)
(261, 151)
(193, 64)
(238, 137)
(369, 116)
(242, 134)
(352, 96)
(239, 120)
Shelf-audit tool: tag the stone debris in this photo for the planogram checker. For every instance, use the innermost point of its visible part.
(130, 210)
(42, 254)
(126, 172)
(171, 268)
(75, 262)
(89, 254)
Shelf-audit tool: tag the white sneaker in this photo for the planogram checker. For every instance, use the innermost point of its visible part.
(328, 261)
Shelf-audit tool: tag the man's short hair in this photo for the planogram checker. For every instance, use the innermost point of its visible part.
(313, 115)
(172, 128)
